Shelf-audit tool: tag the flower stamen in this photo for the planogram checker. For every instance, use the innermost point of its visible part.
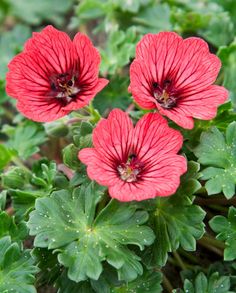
(64, 87)
(130, 171)
(163, 95)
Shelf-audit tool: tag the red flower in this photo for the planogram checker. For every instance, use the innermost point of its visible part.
(54, 75)
(135, 163)
(175, 76)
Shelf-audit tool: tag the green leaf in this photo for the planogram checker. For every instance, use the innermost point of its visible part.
(230, 6)
(213, 284)
(116, 95)
(3, 198)
(46, 176)
(206, 19)
(189, 21)
(82, 134)
(8, 227)
(56, 128)
(176, 221)
(16, 268)
(11, 43)
(150, 282)
(70, 156)
(48, 264)
(5, 155)
(23, 200)
(33, 12)
(228, 58)
(65, 285)
(14, 177)
(225, 115)
(106, 280)
(220, 29)
(25, 138)
(226, 229)
(120, 48)
(91, 9)
(219, 153)
(132, 5)
(4, 7)
(87, 241)
(44, 179)
(149, 20)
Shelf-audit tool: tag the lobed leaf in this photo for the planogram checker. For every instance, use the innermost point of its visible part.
(226, 229)
(176, 221)
(150, 282)
(16, 268)
(213, 284)
(25, 138)
(227, 54)
(8, 226)
(35, 12)
(67, 222)
(5, 155)
(218, 151)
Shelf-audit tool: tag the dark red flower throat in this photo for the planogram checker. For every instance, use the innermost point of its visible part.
(164, 94)
(64, 86)
(131, 169)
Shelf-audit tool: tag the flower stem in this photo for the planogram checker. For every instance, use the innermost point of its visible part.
(179, 260)
(212, 241)
(215, 200)
(167, 284)
(101, 205)
(8, 114)
(189, 256)
(20, 164)
(207, 243)
(94, 114)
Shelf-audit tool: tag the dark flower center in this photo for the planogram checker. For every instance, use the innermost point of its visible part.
(164, 94)
(130, 171)
(64, 86)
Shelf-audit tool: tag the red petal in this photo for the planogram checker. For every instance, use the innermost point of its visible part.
(198, 69)
(153, 137)
(98, 169)
(112, 137)
(203, 105)
(164, 174)
(128, 191)
(41, 111)
(55, 47)
(88, 59)
(178, 115)
(140, 84)
(26, 77)
(160, 53)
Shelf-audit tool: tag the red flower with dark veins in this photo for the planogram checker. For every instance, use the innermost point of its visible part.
(54, 75)
(135, 163)
(175, 76)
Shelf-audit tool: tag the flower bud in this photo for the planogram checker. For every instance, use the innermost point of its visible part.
(15, 177)
(56, 128)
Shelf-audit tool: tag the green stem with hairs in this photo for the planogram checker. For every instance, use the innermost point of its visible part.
(94, 114)
(20, 164)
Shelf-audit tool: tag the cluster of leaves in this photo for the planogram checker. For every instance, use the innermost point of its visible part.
(59, 229)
